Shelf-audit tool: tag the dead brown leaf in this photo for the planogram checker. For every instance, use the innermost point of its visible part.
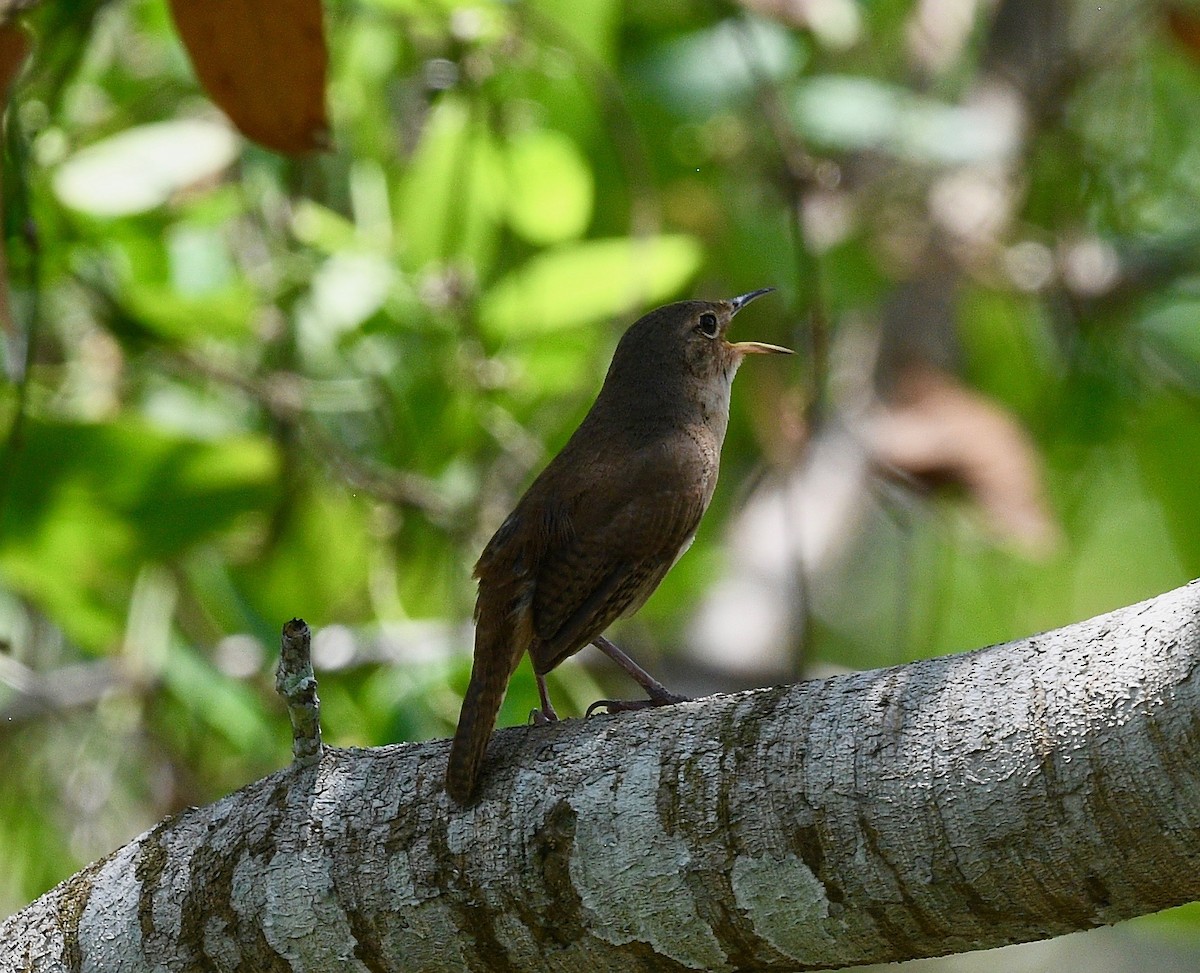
(264, 63)
(1183, 23)
(15, 46)
(937, 431)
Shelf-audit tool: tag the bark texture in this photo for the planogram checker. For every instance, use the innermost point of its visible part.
(1008, 794)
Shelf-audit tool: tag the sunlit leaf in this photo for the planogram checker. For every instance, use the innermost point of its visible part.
(586, 282)
(450, 197)
(326, 536)
(199, 259)
(346, 290)
(226, 314)
(550, 187)
(143, 167)
(321, 227)
(480, 19)
(588, 27)
(264, 63)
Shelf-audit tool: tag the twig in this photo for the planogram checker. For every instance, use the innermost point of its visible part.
(295, 682)
(801, 175)
(38, 695)
(22, 264)
(279, 393)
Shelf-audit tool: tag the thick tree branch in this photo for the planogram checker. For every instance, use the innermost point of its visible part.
(1009, 794)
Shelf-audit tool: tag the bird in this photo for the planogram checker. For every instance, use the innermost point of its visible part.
(601, 525)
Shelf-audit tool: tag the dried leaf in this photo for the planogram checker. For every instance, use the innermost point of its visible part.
(264, 63)
(1183, 24)
(14, 49)
(937, 431)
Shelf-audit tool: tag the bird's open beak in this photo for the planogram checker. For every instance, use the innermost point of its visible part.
(759, 348)
(754, 347)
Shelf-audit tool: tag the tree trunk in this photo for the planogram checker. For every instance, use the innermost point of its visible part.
(1008, 794)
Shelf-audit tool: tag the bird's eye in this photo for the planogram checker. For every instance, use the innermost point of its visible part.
(708, 324)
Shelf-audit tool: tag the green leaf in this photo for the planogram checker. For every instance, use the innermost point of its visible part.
(590, 28)
(87, 505)
(481, 20)
(227, 706)
(320, 227)
(321, 560)
(346, 290)
(449, 201)
(547, 366)
(1166, 441)
(1170, 329)
(224, 314)
(1007, 347)
(550, 187)
(575, 285)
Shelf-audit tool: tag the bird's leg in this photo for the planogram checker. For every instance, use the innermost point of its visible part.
(659, 695)
(546, 714)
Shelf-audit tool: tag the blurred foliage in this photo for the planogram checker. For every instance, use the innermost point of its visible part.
(243, 387)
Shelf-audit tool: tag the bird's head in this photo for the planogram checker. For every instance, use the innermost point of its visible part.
(700, 328)
(679, 353)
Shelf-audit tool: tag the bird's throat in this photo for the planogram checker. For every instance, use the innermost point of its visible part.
(712, 397)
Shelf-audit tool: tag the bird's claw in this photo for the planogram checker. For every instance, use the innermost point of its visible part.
(663, 698)
(540, 718)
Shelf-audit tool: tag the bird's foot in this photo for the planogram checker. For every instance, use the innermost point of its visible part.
(540, 717)
(657, 693)
(661, 697)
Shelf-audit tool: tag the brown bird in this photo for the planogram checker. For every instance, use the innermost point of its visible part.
(603, 523)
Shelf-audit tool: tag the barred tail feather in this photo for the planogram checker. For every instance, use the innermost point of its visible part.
(503, 632)
(480, 706)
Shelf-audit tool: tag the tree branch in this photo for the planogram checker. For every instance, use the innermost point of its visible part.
(296, 683)
(1008, 794)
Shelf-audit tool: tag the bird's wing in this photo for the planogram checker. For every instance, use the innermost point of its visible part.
(619, 544)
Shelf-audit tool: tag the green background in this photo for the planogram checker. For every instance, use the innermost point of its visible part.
(242, 388)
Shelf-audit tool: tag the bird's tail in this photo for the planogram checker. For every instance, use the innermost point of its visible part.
(475, 722)
(498, 647)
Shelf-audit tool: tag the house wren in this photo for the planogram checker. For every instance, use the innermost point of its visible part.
(603, 523)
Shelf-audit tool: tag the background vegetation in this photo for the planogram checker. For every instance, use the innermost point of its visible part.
(244, 385)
